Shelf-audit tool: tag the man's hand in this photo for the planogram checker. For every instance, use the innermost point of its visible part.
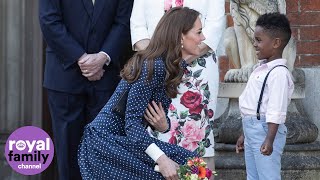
(96, 76)
(156, 116)
(240, 144)
(168, 168)
(90, 64)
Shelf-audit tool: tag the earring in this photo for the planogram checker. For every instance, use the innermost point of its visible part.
(181, 46)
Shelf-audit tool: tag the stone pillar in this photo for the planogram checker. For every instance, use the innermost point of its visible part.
(20, 72)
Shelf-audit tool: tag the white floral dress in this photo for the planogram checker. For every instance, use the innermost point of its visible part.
(192, 111)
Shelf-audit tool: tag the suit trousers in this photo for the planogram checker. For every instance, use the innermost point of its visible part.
(70, 113)
(259, 166)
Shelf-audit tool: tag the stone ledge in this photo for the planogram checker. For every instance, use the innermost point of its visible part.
(315, 146)
(234, 90)
(302, 157)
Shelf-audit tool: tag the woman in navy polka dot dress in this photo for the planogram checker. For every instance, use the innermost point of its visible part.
(115, 147)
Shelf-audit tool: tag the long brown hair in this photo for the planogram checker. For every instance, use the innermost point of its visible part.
(165, 43)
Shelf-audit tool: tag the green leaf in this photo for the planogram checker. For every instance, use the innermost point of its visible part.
(178, 140)
(198, 82)
(206, 55)
(174, 111)
(208, 130)
(181, 123)
(195, 117)
(206, 94)
(184, 114)
(204, 86)
(182, 171)
(202, 62)
(193, 64)
(205, 102)
(197, 73)
(201, 150)
(207, 143)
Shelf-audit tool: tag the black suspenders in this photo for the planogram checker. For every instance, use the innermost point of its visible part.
(262, 89)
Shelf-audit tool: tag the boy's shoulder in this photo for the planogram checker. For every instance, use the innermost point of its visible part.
(278, 65)
(280, 72)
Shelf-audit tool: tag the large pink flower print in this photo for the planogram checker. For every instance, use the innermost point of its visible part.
(174, 126)
(192, 135)
(173, 131)
(179, 3)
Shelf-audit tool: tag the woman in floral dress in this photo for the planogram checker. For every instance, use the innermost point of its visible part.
(117, 146)
(192, 111)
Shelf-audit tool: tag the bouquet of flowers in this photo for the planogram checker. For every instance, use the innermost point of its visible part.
(195, 169)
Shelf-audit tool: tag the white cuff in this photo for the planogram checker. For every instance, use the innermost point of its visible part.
(154, 151)
(156, 168)
(108, 58)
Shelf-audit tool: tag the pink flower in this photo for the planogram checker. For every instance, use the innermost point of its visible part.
(174, 125)
(172, 108)
(167, 5)
(208, 173)
(192, 135)
(179, 3)
(190, 163)
(173, 140)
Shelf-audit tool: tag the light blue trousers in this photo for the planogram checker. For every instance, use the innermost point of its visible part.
(258, 166)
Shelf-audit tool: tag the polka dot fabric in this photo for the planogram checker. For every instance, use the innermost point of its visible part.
(113, 147)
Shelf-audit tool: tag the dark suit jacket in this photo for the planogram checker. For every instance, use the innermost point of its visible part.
(72, 28)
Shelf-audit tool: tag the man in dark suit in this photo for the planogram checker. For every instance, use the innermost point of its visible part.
(85, 40)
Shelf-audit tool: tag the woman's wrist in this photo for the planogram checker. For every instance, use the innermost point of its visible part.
(166, 130)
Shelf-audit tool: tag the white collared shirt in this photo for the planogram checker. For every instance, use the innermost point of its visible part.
(277, 93)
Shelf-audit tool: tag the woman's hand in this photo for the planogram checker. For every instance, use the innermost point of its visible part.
(156, 116)
(168, 168)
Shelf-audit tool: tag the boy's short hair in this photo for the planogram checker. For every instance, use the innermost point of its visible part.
(276, 24)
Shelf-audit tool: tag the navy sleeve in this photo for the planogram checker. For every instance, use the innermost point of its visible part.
(138, 98)
(55, 32)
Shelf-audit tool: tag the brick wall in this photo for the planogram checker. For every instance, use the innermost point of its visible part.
(304, 16)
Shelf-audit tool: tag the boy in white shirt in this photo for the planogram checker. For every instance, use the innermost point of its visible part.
(264, 111)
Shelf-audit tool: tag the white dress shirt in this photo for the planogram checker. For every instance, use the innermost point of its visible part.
(147, 13)
(277, 93)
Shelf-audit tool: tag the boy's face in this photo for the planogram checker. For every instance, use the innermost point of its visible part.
(263, 43)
